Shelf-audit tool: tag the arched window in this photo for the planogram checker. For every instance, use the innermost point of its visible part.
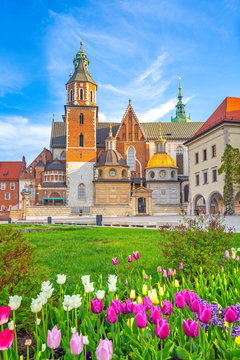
(81, 140)
(91, 96)
(124, 131)
(179, 159)
(172, 174)
(81, 191)
(124, 173)
(71, 95)
(81, 119)
(100, 173)
(81, 94)
(131, 158)
(186, 193)
(63, 155)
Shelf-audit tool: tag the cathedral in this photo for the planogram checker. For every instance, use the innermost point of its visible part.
(125, 168)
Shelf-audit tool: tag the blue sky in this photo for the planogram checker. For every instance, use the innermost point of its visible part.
(137, 49)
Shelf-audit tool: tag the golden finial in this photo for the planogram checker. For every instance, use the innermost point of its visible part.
(81, 44)
(110, 129)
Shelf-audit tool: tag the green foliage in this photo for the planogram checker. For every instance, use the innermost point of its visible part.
(231, 168)
(199, 244)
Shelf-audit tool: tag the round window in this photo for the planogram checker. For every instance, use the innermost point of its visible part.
(162, 173)
(152, 174)
(112, 172)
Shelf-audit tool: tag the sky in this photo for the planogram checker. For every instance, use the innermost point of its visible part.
(137, 50)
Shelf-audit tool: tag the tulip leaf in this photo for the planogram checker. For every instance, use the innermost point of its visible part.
(182, 353)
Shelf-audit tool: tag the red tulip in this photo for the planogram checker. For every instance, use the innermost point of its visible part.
(136, 255)
(129, 258)
(155, 314)
(6, 339)
(97, 306)
(162, 329)
(204, 314)
(167, 307)
(179, 301)
(141, 319)
(231, 314)
(111, 315)
(4, 314)
(115, 261)
(191, 328)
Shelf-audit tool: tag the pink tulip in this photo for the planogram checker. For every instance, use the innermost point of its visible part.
(230, 314)
(227, 254)
(193, 304)
(54, 338)
(4, 314)
(237, 258)
(136, 255)
(129, 304)
(174, 272)
(164, 273)
(162, 329)
(76, 344)
(104, 350)
(6, 339)
(141, 319)
(155, 314)
(116, 304)
(232, 249)
(138, 308)
(147, 302)
(145, 277)
(124, 309)
(169, 272)
(126, 282)
(167, 307)
(186, 294)
(97, 306)
(159, 269)
(179, 301)
(129, 258)
(181, 266)
(204, 314)
(115, 261)
(111, 315)
(191, 328)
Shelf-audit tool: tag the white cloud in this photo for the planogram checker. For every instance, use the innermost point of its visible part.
(102, 117)
(153, 70)
(11, 79)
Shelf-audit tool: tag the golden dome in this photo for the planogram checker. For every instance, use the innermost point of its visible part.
(161, 160)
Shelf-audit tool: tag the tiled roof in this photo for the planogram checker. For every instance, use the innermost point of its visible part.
(56, 165)
(81, 74)
(170, 131)
(10, 170)
(227, 111)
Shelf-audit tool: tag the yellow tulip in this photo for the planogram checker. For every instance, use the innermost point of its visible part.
(235, 271)
(176, 283)
(143, 272)
(164, 287)
(116, 296)
(132, 294)
(225, 281)
(130, 322)
(159, 285)
(201, 270)
(161, 292)
(237, 340)
(234, 255)
(139, 300)
(144, 289)
(236, 290)
(167, 294)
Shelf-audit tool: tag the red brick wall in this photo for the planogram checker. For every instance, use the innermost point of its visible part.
(29, 173)
(13, 194)
(4, 215)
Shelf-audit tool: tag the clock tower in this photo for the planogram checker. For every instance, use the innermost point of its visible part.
(81, 114)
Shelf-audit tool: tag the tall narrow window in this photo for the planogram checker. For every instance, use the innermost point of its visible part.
(179, 159)
(91, 96)
(124, 131)
(131, 158)
(81, 191)
(81, 94)
(71, 95)
(81, 119)
(136, 132)
(81, 140)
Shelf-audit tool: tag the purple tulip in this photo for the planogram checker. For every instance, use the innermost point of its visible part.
(124, 309)
(227, 254)
(115, 261)
(181, 266)
(191, 328)
(164, 273)
(162, 329)
(169, 272)
(129, 258)
(104, 350)
(159, 269)
(97, 306)
(186, 294)
(54, 338)
(138, 307)
(141, 319)
(129, 304)
(231, 314)
(76, 344)
(155, 314)
(111, 315)
(117, 306)
(147, 302)
(179, 301)
(193, 303)
(167, 307)
(136, 255)
(204, 314)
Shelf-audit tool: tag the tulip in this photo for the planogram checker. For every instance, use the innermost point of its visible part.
(85, 279)
(111, 315)
(176, 283)
(6, 339)
(89, 288)
(164, 273)
(61, 279)
(181, 266)
(76, 344)
(167, 307)
(144, 289)
(230, 314)
(115, 261)
(11, 325)
(159, 269)
(141, 319)
(54, 338)
(4, 314)
(129, 304)
(161, 291)
(227, 254)
(129, 258)
(174, 272)
(232, 249)
(14, 302)
(116, 305)
(139, 300)
(194, 304)
(145, 277)
(85, 340)
(36, 305)
(126, 282)
(112, 287)
(162, 329)
(191, 328)
(104, 350)
(204, 314)
(186, 294)
(97, 306)
(155, 314)
(132, 294)
(147, 302)
(237, 258)
(124, 309)
(179, 301)
(136, 255)
(100, 294)
(169, 272)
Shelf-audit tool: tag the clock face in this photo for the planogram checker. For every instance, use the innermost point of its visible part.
(112, 173)
(162, 173)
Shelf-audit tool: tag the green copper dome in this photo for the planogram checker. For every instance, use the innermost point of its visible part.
(180, 109)
(80, 55)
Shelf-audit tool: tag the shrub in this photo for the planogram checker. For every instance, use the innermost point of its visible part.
(197, 243)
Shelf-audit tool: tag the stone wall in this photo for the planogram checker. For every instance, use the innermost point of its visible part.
(121, 210)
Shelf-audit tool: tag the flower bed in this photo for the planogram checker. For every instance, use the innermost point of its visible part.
(133, 318)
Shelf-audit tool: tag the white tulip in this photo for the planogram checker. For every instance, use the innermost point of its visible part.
(112, 279)
(61, 279)
(100, 294)
(38, 321)
(112, 287)
(14, 302)
(11, 325)
(36, 305)
(43, 347)
(73, 330)
(67, 303)
(89, 288)
(76, 301)
(85, 340)
(43, 297)
(46, 285)
(85, 279)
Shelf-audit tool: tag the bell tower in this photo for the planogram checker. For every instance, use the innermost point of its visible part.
(81, 117)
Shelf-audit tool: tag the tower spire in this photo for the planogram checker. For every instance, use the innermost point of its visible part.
(110, 129)
(180, 107)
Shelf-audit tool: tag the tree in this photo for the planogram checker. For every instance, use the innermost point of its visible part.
(231, 167)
